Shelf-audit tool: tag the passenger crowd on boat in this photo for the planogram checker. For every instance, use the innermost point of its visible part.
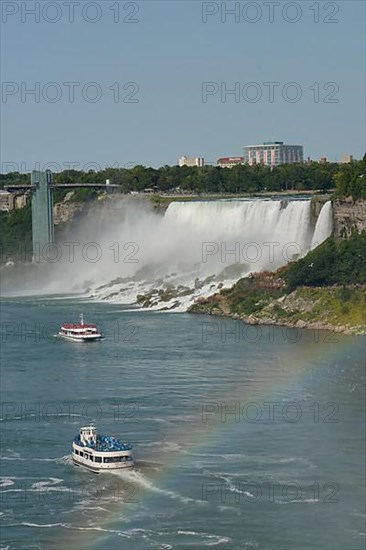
(104, 443)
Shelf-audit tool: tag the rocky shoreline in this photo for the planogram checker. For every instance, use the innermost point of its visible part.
(300, 324)
(322, 308)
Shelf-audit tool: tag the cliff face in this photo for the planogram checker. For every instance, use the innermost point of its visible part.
(68, 210)
(64, 211)
(348, 216)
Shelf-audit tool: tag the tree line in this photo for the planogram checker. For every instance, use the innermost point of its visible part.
(344, 179)
(332, 263)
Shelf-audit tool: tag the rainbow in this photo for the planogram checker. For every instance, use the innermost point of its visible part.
(294, 363)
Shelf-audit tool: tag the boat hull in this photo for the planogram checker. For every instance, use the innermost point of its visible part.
(98, 469)
(102, 467)
(86, 467)
(81, 338)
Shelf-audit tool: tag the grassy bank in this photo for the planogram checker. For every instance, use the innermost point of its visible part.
(332, 308)
(326, 289)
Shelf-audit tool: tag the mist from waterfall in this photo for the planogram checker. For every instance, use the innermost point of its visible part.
(125, 249)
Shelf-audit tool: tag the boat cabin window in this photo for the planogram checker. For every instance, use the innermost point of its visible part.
(98, 459)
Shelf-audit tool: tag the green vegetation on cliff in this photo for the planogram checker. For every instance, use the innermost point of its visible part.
(332, 308)
(350, 180)
(16, 234)
(332, 263)
(326, 289)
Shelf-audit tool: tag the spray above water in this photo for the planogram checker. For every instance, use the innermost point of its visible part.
(125, 252)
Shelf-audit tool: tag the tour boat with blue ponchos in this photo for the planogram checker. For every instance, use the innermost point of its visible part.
(100, 452)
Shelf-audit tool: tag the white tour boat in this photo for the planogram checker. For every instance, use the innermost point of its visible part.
(80, 332)
(100, 453)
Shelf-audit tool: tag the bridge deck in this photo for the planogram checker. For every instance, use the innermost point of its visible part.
(12, 188)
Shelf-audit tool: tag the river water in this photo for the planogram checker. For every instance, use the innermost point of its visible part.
(244, 437)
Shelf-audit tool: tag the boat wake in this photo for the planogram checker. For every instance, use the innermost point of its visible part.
(137, 479)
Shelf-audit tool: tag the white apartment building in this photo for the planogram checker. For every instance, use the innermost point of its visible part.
(273, 153)
(191, 161)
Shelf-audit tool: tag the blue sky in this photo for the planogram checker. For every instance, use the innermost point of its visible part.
(168, 54)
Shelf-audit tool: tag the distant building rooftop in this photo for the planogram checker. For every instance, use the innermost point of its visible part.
(273, 143)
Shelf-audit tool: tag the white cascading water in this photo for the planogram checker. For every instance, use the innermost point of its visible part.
(324, 225)
(193, 250)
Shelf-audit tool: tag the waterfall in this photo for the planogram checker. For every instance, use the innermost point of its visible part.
(194, 249)
(198, 247)
(324, 225)
(245, 221)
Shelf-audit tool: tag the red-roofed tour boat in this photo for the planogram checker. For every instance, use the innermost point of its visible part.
(80, 332)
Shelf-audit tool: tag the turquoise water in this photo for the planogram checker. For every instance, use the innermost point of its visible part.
(252, 438)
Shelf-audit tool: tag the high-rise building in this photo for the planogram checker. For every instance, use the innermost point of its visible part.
(273, 153)
(229, 162)
(191, 161)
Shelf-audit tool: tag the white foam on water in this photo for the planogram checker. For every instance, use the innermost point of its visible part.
(208, 539)
(6, 481)
(298, 501)
(355, 533)
(66, 459)
(49, 483)
(73, 527)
